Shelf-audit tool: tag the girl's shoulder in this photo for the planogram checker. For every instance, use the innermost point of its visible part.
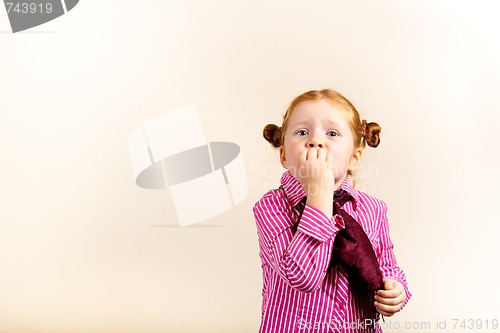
(367, 201)
(273, 193)
(371, 213)
(271, 197)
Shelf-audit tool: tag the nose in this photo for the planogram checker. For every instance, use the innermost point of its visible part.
(315, 142)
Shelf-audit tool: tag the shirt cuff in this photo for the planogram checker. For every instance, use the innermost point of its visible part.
(318, 225)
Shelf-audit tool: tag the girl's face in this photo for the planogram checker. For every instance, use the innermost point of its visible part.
(318, 125)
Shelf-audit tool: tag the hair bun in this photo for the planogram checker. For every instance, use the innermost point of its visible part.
(272, 134)
(372, 133)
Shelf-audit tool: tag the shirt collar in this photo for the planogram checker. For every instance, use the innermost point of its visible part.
(294, 191)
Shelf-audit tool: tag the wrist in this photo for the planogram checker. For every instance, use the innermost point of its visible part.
(318, 189)
(322, 203)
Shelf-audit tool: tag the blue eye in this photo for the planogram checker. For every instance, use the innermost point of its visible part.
(332, 133)
(302, 132)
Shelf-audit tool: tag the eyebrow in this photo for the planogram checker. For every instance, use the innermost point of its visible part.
(307, 122)
(301, 123)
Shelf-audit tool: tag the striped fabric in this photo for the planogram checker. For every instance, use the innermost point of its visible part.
(299, 294)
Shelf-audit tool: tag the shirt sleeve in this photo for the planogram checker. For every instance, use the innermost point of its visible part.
(386, 257)
(302, 257)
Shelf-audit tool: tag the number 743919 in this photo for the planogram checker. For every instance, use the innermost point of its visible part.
(31, 8)
(471, 324)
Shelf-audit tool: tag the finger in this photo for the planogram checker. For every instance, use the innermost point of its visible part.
(390, 301)
(312, 154)
(392, 288)
(387, 310)
(385, 313)
(389, 284)
(329, 158)
(322, 154)
(388, 293)
(303, 155)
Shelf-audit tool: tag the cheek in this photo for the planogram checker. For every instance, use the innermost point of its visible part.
(291, 151)
(341, 159)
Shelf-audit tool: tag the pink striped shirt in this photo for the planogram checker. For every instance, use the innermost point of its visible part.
(298, 293)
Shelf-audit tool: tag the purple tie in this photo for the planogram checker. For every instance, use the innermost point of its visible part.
(354, 252)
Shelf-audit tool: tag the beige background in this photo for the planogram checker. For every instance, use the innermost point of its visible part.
(82, 249)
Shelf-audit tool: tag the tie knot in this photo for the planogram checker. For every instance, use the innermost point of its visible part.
(340, 197)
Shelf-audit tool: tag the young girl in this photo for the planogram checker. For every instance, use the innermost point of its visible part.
(327, 258)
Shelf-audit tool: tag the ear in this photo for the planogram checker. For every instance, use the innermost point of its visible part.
(283, 157)
(355, 159)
